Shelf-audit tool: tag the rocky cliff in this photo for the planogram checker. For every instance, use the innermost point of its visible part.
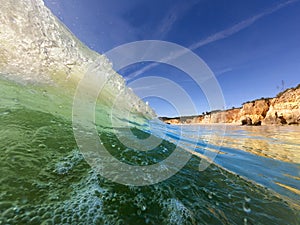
(283, 109)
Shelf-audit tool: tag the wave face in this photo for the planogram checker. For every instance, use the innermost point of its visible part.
(45, 179)
(37, 50)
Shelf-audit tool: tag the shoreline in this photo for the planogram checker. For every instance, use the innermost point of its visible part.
(284, 109)
(233, 124)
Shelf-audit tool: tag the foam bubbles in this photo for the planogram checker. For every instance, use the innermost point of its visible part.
(67, 163)
(178, 213)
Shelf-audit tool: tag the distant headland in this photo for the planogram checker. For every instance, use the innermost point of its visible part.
(280, 110)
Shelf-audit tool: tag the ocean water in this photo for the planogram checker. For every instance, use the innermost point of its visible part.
(45, 178)
(218, 174)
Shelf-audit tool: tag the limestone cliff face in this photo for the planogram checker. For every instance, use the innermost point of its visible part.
(183, 120)
(283, 109)
(233, 115)
(227, 116)
(171, 121)
(253, 113)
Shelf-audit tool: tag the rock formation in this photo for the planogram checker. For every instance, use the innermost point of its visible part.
(283, 109)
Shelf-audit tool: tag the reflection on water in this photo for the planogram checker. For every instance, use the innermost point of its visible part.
(276, 142)
(268, 155)
(46, 180)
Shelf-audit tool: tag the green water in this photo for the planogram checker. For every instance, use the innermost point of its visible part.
(45, 180)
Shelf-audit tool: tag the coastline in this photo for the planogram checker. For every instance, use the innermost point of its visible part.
(284, 109)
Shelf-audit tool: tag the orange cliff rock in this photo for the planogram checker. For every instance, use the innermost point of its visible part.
(283, 109)
(253, 113)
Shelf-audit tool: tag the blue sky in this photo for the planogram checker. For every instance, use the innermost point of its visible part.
(253, 47)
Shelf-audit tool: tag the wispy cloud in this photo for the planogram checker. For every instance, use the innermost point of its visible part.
(239, 26)
(219, 35)
(175, 13)
(166, 24)
(225, 70)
